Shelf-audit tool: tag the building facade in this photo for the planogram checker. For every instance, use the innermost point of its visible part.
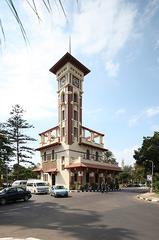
(71, 154)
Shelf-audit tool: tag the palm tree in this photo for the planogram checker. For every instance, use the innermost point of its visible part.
(109, 157)
(32, 4)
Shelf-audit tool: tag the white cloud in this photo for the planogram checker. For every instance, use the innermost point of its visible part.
(146, 114)
(134, 120)
(155, 127)
(156, 46)
(151, 112)
(106, 34)
(26, 81)
(120, 111)
(112, 68)
(150, 10)
(126, 155)
(25, 77)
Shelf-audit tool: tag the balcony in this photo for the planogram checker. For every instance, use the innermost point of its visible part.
(92, 138)
(92, 164)
(50, 137)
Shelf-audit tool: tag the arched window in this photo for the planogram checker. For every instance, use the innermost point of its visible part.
(75, 97)
(62, 97)
(87, 154)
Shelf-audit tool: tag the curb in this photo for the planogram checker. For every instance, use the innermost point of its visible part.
(148, 199)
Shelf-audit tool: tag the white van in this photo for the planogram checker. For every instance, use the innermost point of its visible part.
(37, 186)
(19, 183)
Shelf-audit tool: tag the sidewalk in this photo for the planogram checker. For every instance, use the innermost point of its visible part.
(150, 197)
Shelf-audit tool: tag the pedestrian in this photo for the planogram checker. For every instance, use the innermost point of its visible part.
(102, 187)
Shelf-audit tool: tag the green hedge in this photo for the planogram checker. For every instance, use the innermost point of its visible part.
(156, 186)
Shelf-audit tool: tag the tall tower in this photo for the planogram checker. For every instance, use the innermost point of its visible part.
(70, 75)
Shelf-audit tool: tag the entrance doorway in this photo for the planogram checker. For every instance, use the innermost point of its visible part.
(53, 179)
(96, 178)
(87, 177)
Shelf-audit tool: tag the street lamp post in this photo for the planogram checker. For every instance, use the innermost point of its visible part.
(152, 167)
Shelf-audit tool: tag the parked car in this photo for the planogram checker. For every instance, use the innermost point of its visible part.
(37, 186)
(12, 194)
(20, 183)
(59, 191)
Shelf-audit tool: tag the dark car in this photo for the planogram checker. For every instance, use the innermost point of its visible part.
(12, 194)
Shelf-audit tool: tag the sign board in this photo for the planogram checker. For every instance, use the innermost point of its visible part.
(149, 178)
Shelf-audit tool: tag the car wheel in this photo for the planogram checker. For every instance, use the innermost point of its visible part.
(3, 201)
(26, 198)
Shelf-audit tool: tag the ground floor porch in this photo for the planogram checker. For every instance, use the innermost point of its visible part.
(86, 175)
(92, 179)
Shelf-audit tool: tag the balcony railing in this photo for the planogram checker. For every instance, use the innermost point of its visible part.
(50, 136)
(92, 137)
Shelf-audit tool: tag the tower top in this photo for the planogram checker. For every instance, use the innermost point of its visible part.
(69, 58)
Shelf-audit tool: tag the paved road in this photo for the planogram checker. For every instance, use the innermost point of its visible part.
(83, 216)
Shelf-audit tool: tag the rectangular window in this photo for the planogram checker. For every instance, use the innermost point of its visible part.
(52, 155)
(45, 177)
(75, 132)
(63, 132)
(63, 162)
(48, 157)
(44, 156)
(75, 115)
(63, 115)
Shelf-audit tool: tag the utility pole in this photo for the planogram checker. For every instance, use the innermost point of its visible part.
(152, 168)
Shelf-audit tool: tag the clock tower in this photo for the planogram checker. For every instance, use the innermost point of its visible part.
(70, 75)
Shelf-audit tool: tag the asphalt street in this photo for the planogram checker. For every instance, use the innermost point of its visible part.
(84, 216)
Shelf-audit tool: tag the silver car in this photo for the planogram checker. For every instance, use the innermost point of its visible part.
(59, 191)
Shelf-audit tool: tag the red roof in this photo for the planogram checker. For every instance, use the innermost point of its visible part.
(51, 170)
(47, 146)
(94, 166)
(69, 58)
(37, 170)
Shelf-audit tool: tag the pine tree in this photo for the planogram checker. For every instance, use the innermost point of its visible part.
(5, 151)
(16, 127)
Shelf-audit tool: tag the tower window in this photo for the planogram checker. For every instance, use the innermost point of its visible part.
(63, 162)
(75, 132)
(63, 115)
(75, 115)
(63, 97)
(63, 132)
(75, 97)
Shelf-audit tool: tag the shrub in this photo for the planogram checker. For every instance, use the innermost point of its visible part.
(156, 186)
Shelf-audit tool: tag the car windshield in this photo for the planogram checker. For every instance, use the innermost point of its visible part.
(60, 187)
(4, 190)
(41, 184)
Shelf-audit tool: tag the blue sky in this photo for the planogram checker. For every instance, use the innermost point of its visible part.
(117, 40)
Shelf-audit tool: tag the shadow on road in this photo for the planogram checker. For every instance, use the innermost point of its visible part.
(75, 223)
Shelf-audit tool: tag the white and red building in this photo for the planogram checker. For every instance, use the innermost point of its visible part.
(72, 154)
